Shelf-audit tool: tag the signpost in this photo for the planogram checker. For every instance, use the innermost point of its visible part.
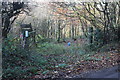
(26, 29)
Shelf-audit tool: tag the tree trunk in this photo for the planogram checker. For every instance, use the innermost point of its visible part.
(6, 27)
(90, 35)
(73, 32)
(59, 31)
(105, 26)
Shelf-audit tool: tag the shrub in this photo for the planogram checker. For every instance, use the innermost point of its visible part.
(15, 59)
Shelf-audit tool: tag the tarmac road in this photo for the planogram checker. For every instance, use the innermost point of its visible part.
(103, 73)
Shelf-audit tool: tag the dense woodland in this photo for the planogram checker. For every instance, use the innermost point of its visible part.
(58, 39)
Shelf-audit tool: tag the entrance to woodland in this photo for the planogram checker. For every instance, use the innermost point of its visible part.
(60, 39)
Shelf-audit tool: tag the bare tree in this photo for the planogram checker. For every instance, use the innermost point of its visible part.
(10, 12)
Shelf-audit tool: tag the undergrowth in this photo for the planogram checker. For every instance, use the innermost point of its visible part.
(19, 63)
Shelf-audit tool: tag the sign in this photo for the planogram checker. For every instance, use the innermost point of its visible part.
(26, 28)
(26, 33)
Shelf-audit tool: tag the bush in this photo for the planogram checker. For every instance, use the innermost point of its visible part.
(15, 59)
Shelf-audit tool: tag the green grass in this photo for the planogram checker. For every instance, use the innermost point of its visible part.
(50, 48)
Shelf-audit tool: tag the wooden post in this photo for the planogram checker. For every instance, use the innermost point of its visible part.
(90, 35)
